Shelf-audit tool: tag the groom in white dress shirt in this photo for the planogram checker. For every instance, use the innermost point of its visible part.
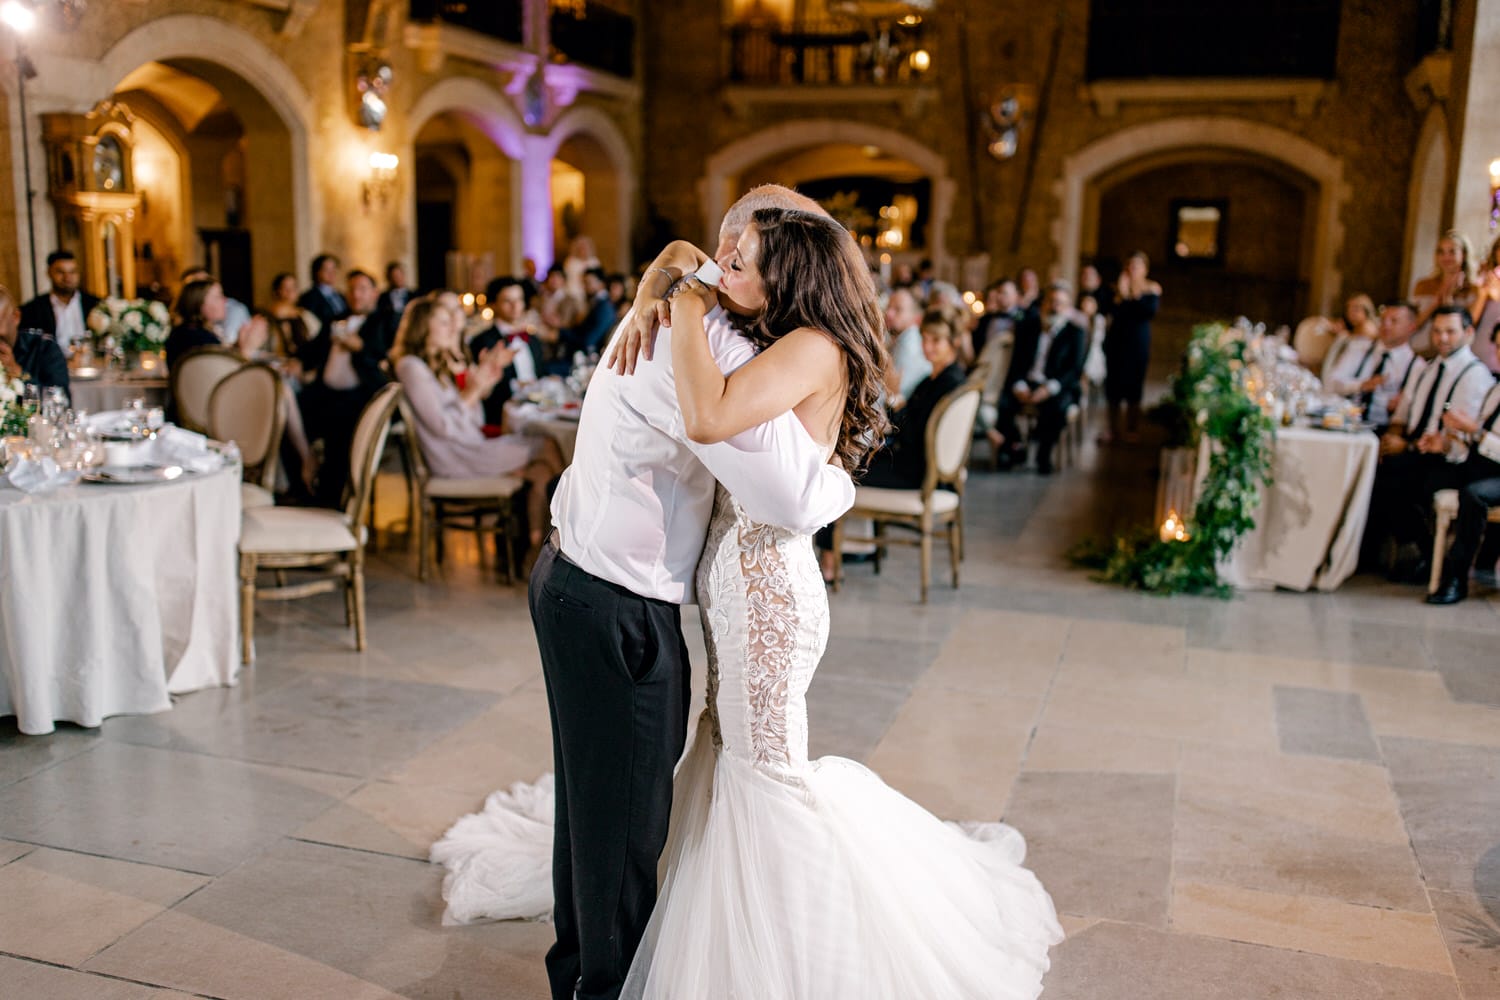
(632, 515)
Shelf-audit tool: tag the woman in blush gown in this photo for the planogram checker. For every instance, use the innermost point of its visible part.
(786, 878)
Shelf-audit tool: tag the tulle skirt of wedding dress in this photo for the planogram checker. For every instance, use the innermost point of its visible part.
(824, 883)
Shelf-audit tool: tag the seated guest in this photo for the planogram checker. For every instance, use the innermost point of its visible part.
(587, 335)
(1002, 311)
(909, 365)
(1417, 458)
(553, 303)
(1091, 287)
(292, 327)
(1478, 493)
(323, 300)
(200, 308)
(1377, 374)
(510, 331)
(902, 463)
(393, 300)
(236, 313)
(25, 355)
(1046, 368)
(445, 391)
(1356, 339)
(344, 363)
(63, 312)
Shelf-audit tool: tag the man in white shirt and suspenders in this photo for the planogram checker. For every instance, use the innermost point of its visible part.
(1478, 494)
(1418, 458)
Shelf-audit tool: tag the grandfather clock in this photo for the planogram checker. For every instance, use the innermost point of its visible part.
(93, 190)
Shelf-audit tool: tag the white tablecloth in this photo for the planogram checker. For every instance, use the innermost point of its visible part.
(110, 391)
(114, 597)
(528, 418)
(1310, 521)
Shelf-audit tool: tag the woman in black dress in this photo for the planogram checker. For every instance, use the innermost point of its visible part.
(1127, 347)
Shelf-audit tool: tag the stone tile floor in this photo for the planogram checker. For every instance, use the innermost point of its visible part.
(1282, 795)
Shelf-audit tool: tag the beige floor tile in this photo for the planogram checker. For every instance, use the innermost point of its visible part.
(10, 851)
(404, 820)
(1218, 665)
(179, 951)
(956, 752)
(1183, 708)
(63, 907)
(1000, 652)
(1067, 748)
(1308, 923)
(510, 742)
(30, 981)
(1343, 797)
(1124, 649)
(1432, 718)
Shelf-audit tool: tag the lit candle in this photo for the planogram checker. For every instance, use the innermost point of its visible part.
(1172, 529)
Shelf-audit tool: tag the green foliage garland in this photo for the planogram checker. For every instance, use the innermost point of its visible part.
(1207, 397)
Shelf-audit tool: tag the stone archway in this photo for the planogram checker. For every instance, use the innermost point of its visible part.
(619, 181)
(716, 188)
(1424, 200)
(1325, 170)
(489, 110)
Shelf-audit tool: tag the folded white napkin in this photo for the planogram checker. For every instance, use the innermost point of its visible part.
(107, 420)
(175, 446)
(38, 475)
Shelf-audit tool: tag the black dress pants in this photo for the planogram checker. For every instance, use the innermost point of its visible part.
(1401, 501)
(1051, 417)
(1475, 501)
(618, 681)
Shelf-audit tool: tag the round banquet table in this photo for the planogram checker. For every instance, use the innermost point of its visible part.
(116, 597)
(110, 390)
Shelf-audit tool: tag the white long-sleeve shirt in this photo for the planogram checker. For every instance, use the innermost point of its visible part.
(1488, 443)
(1459, 381)
(634, 506)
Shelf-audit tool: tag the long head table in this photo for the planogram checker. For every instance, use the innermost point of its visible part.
(114, 597)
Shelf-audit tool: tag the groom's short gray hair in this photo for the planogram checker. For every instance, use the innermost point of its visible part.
(757, 198)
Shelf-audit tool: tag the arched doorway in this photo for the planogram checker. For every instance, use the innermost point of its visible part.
(470, 147)
(213, 161)
(1227, 234)
(234, 127)
(879, 167)
(464, 205)
(1424, 213)
(1076, 229)
(593, 186)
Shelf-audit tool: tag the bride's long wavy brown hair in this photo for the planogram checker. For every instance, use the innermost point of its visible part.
(815, 277)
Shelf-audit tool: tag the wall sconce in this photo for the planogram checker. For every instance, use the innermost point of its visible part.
(1494, 195)
(1004, 119)
(381, 181)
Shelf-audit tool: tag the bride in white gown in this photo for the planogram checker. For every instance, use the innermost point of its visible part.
(783, 878)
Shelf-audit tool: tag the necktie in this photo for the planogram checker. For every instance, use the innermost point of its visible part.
(1368, 397)
(1421, 426)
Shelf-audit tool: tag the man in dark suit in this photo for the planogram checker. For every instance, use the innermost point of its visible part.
(1045, 371)
(25, 355)
(588, 334)
(393, 300)
(323, 299)
(510, 332)
(62, 313)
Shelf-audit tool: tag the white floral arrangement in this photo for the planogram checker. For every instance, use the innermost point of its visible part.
(12, 407)
(135, 324)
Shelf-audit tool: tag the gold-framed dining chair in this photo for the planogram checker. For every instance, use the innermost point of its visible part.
(329, 542)
(191, 382)
(246, 408)
(484, 505)
(1445, 510)
(936, 505)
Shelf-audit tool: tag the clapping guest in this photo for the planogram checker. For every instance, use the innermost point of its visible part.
(25, 355)
(588, 334)
(1485, 309)
(1418, 459)
(292, 327)
(236, 313)
(1451, 283)
(1380, 374)
(1127, 346)
(1031, 288)
(1046, 369)
(393, 300)
(1358, 342)
(445, 391)
(510, 331)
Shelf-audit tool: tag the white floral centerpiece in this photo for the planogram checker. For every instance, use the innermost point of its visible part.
(134, 324)
(12, 408)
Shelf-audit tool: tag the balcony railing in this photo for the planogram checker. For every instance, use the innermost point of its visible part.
(603, 38)
(829, 52)
(500, 19)
(1133, 39)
